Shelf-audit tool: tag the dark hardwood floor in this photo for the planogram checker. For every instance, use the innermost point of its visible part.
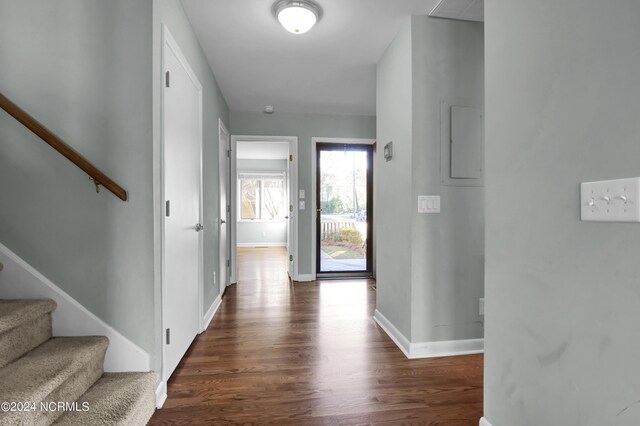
(310, 354)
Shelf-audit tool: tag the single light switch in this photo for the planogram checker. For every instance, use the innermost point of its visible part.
(429, 204)
(302, 194)
(302, 205)
(610, 201)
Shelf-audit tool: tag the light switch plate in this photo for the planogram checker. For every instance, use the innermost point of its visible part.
(610, 200)
(302, 194)
(302, 205)
(429, 204)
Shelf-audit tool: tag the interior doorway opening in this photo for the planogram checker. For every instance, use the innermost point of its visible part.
(262, 198)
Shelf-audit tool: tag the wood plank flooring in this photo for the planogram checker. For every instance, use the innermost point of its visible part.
(310, 354)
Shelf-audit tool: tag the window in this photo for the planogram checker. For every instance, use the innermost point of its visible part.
(261, 196)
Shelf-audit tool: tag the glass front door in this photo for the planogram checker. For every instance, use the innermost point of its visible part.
(344, 209)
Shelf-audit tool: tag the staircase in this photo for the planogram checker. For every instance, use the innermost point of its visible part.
(60, 380)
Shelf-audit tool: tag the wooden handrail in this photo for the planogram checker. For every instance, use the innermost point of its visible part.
(59, 145)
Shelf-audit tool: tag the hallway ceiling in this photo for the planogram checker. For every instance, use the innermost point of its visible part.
(329, 70)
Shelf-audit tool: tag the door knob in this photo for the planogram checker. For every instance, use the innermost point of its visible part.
(199, 227)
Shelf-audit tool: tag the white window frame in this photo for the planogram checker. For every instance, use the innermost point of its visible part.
(261, 176)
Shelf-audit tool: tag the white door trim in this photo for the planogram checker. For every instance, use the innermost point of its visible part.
(293, 150)
(313, 204)
(169, 42)
(222, 272)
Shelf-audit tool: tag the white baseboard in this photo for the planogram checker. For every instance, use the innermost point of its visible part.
(484, 422)
(428, 349)
(305, 278)
(161, 394)
(447, 348)
(398, 338)
(261, 244)
(19, 280)
(211, 312)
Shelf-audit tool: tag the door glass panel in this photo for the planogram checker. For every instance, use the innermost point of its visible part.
(343, 210)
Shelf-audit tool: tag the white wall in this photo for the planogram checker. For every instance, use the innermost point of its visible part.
(562, 296)
(261, 233)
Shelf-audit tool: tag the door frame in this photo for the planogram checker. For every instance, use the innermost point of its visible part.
(233, 180)
(314, 206)
(169, 42)
(224, 282)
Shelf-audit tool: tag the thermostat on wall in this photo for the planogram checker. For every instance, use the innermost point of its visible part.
(388, 151)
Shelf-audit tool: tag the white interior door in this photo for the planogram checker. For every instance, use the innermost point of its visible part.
(290, 209)
(224, 167)
(182, 122)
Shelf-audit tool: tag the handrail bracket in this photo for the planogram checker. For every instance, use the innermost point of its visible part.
(96, 183)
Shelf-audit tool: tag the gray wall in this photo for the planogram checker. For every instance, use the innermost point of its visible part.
(171, 13)
(272, 232)
(447, 249)
(430, 268)
(82, 68)
(563, 100)
(262, 233)
(305, 127)
(90, 70)
(393, 182)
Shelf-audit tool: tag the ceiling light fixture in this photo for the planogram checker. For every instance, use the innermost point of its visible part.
(297, 16)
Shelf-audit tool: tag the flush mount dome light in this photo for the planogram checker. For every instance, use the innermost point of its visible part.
(297, 16)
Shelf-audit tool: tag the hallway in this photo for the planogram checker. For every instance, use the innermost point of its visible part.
(311, 354)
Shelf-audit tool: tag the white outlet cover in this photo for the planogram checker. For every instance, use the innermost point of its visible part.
(302, 194)
(302, 205)
(610, 200)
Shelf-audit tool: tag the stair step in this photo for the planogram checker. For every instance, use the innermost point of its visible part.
(59, 370)
(15, 312)
(116, 399)
(24, 325)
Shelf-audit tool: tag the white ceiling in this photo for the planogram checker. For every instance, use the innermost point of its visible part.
(331, 69)
(467, 10)
(262, 150)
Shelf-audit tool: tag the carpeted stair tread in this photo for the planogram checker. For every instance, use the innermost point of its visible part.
(59, 370)
(24, 325)
(116, 399)
(15, 312)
